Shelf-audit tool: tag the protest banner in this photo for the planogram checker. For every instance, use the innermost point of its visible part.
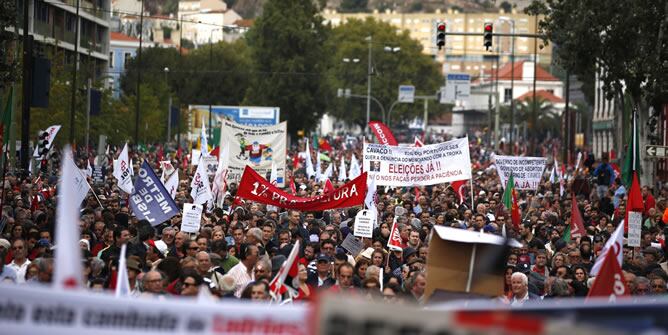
(527, 171)
(383, 133)
(255, 188)
(51, 133)
(257, 147)
(43, 310)
(151, 201)
(418, 166)
(192, 218)
(635, 226)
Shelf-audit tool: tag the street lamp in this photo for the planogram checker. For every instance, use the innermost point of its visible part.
(512, 78)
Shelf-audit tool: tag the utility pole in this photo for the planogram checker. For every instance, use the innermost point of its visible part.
(512, 89)
(138, 98)
(169, 106)
(210, 93)
(27, 85)
(88, 100)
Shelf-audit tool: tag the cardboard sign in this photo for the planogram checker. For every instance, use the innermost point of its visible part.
(192, 218)
(363, 224)
(635, 225)
(352, 244)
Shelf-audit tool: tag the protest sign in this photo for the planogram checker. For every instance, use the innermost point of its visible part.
(151, 201)
(98, 175)
(192, 218)
(353, 244)
(526, 171)
(210, 164)
(418, 166)
(256, 147)
(364, 224)
(635, 224)
(255, 188)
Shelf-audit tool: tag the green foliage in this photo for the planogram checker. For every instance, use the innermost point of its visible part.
(287, 49)
(542, 121)
(409, 66)
(626, 37)
(8, 65)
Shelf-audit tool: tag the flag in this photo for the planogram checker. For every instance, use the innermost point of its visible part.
(634, 202)
(328, 186)
(342, 171)
(370, 200)
(610, 280)
(295, 162)
(510, 201)
(220, 178)
(318, 167)
(122, 281)
(289, 270)
(132, 168)
(665, 216)
(51, 133)
(293, 189)
(67, 273)
(458, 187)
(515, 214)
(151, 201)
(204, 145)
(215, 152)
(418, 143)
(167, 170)
(614, 243)
(632, 158)
(273, 176)
(355, 169)
(324, 145)
(577, 228)
(310, 172)
(394, 242)
(201, 192)
(6, 121)
(123, 171)
(566, 236)
(316, 143)
(383, 133)
(328, 172)
(172, 184)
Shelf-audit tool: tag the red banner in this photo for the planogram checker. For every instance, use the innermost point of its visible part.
(253, 187)
(383, 134)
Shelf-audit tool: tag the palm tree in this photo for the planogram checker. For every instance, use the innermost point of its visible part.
(542, 123)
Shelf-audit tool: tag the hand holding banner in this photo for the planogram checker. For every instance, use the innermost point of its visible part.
(255, 188)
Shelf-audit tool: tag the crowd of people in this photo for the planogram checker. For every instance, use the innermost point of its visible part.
(241, 247)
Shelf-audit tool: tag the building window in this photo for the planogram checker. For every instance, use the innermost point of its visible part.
(111, 60)
(507, 95)
(41, 11)
(551, 91)
(126, 58)
(70, 21)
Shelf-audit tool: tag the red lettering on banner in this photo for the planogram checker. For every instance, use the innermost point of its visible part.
(223, 325)
(253, 187)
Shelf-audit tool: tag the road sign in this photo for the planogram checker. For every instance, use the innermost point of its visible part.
(406, 94)
(656, 151)
(457, 87)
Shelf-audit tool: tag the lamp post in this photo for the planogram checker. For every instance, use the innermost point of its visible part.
(512, 80)
(368, 89)
(169, 107)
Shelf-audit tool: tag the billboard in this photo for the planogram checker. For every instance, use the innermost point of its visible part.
(244, 115)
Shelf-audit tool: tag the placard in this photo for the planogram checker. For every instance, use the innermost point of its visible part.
(635, 226)
(363, 224)
(210, 164)
(98, 175)
(418, 166)
(192, 218)
(352, 244)
(527, 171)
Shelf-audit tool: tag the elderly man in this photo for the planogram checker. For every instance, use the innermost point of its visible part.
(519, 284)
(243, 272)
(152, 283)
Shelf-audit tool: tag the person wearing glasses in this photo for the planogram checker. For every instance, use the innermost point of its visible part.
(190, 284)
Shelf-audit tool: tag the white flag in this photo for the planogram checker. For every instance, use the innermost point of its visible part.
(342, 171)
(81, 186)
(89, 169)
(355, 170)
(51, 133)
(318, 167)
(614, 244)
(122, 281)
(273, 177)
(310, 172)
(67, 273)
(167, 170)
(204, 145)
(328, 172)
(220, 178)
(172, 184)
(201, 191)
(123, 171)
(370, 200)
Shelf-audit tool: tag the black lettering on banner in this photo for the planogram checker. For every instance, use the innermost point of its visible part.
(53, 315)
(12, 312)
(130, 319)
(195, 325)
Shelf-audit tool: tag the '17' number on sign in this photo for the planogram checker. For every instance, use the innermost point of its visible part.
(256, 185)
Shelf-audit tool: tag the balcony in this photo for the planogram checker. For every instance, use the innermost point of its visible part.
(90, 7)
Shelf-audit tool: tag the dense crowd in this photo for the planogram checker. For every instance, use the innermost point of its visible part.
(241, 246)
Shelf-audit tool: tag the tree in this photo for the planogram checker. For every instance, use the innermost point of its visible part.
(408, 66)
(289, 60)
(8, 63)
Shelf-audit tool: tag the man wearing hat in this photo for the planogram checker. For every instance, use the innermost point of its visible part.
(134, 270)
(322, 276)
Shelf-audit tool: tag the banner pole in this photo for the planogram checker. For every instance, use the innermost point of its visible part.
(469, 281)
(472, 195)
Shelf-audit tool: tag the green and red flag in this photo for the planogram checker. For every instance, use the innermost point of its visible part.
(510, 201)
(6, 120)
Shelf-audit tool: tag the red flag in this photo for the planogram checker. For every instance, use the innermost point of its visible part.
(634, 203)
(161, 153)
(215, 152)
(417, 192)
(458, 186)
(577, 223)
(295, 161)
(395, 242)
(665, 216)
(515, 214)
(293, 189)
(610, 280)
(289, 270)
(418, 143)
(328, 186)
(324, 144)
(383, 134)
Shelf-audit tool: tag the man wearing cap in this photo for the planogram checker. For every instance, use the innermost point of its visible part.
(133, 272)
(322, 276)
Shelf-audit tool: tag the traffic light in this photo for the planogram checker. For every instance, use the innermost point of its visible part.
(440, 34)
(42, 149)
(487, 35)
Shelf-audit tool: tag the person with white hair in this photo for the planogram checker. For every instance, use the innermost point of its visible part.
(519, 284)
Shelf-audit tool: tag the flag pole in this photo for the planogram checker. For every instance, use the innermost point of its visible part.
(469, 281)
(472, 195)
